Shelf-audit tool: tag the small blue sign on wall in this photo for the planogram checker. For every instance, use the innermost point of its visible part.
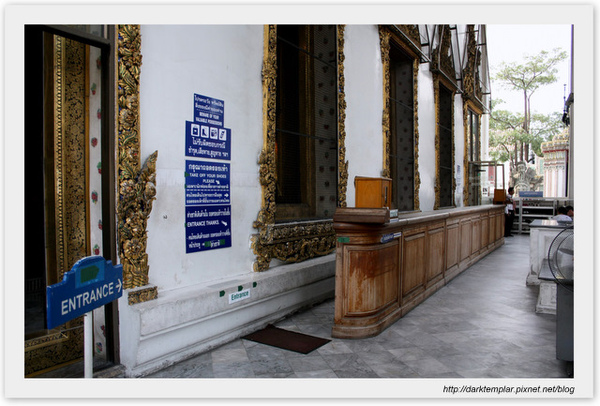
(208, 110)
(91, 283)
(206, 183)
(207, 228)
(207, 141)
(529, 193)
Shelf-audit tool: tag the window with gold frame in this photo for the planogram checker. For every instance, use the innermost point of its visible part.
(445, 159)
(303, 171)
(473, 128)
(306, 116)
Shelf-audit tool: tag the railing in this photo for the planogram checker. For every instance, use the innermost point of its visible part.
(528, 209)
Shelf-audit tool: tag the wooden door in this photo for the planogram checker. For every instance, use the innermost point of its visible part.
(63, 184)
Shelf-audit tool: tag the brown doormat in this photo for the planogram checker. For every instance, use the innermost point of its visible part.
(288, 340)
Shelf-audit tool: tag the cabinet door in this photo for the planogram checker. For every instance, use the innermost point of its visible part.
(413, 266)
(371, 278)
(436, 252)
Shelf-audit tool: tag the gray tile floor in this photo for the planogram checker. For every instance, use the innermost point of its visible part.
(482, 324)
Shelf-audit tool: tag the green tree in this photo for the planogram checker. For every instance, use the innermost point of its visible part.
(512, 134)
(507, 136)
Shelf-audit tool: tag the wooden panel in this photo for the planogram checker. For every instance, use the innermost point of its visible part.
(452, 250)
(476, 236)
(362, 215)
(499, 226)
(465, 239)
(492, 231)
(413, 265)
(436, 251)
(372, 278)
(485, 233)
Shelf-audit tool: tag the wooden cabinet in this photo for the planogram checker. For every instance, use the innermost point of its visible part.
(384, 269)
(373, 192)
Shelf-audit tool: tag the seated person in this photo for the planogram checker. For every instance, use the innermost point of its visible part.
(570, 211)
(562, 215)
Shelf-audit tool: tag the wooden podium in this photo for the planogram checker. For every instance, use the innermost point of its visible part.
(373, 192)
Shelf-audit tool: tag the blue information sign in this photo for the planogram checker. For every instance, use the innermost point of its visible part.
(207, 228)
(206, 183)
(91, 283)
(207, 141)
(208, 110)
(528, 193)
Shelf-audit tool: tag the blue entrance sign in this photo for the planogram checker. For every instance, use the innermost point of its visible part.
(206, 183)
(207, 141)
(207, 228)
(91, 283)
(208, 110)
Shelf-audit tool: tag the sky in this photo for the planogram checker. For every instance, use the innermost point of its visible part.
(511, 43)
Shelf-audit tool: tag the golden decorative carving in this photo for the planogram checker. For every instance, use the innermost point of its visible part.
(58, 158)
(56, 348)
(470, 74)
(441, 56)
(468, 78)
(292, 242)
(52, 337)
(142, 295)
(70, 154)
(267, 171)
(384, 39)
(137, 186)
(436, 100)
(446, 63)
(411, 31)
(342, 163)
(137, 192)
(417, 178)
(466, 152)
(74, 160)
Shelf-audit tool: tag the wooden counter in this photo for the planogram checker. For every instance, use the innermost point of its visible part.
(385, 268)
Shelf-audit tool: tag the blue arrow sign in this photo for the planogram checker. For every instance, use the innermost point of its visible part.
(91, 283)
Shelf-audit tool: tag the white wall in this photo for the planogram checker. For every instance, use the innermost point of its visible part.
(459, 150)
(192, 312)
(363, 71)
(222, 62)
(426, 138)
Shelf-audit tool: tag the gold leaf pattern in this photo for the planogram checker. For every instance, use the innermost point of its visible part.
(137, 186)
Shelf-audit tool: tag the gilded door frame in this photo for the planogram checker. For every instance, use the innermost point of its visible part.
(443, 71)
(67, 224)
(385, 34)
(472, 96)
(136, 182)
(133, 199)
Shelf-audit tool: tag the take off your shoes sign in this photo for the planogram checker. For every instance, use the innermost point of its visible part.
(91, 283)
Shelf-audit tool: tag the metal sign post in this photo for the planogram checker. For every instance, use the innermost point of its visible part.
(91, 283)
